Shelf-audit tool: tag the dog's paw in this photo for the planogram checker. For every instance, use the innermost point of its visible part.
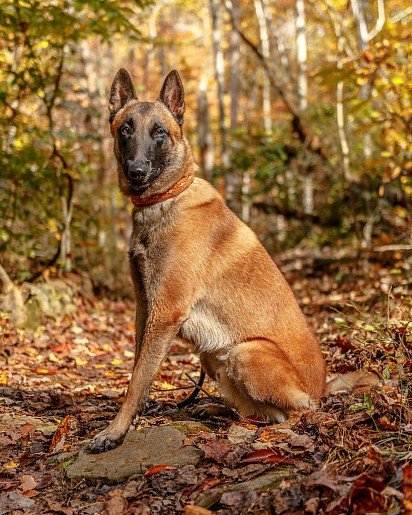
(206, 411)
(103, 442)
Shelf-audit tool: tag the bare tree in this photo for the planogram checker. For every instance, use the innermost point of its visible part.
(365, 36)
(234, 69)
(301, 55)
(265, 49)
(302, 92)
(205, 139)
(340, 116)
(234, 58)
(219, 75)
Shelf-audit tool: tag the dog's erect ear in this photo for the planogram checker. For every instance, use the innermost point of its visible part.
(173, 95)
(121, 92)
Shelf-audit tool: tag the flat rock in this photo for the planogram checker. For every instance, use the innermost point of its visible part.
(142, 449)
(268, 481)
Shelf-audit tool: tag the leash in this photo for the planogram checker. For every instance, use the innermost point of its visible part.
(196, 390)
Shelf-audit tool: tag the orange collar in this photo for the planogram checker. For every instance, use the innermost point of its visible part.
(173, 191)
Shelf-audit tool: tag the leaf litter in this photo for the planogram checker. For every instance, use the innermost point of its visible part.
(62, 383)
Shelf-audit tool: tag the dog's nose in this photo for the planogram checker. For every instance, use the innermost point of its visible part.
(137, 170)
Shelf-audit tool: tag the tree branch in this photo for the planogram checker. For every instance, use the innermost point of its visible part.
(308, 140)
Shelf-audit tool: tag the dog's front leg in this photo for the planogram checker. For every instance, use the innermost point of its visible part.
(159, 334)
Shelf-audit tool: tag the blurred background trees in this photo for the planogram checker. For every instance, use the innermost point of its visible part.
(299, 112)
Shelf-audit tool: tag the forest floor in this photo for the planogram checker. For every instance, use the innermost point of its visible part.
(64, 382)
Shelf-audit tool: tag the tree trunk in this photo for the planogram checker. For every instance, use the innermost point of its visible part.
(302, 90)
(236, 198)
(246, 204)
(205, 139)
(234, 70)
(219, 76)
(301, 56)
(66, 247)
(265, 49)
(365, 36)
(340, 118)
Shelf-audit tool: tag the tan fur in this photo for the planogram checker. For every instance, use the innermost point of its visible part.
(202, 274)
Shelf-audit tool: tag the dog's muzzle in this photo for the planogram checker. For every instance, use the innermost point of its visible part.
(138, 171)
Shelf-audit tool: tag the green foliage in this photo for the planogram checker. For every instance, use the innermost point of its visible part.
(59, 57)
(40, 66)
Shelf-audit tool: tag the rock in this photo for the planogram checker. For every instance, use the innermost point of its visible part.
(26, 304)
(13, 501)
(10, 422)
(54, 298)
(238, 434)
(143, 449)
(190, 427)
(267, 481)
(33, 314)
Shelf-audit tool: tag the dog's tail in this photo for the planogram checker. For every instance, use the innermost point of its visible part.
(358, 380)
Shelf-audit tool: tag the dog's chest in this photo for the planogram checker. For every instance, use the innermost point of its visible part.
(144, 261)
(147, 244)
(204, 329)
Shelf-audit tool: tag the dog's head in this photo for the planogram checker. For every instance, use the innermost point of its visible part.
(149, 145)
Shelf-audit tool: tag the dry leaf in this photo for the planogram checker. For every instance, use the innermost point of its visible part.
(27, 483)
(59, 436)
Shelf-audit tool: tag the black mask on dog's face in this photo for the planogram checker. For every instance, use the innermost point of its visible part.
(145, 133)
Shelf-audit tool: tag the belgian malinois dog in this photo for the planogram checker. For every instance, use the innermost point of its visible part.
(201, 274)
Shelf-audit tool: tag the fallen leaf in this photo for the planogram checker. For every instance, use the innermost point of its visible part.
(45, 371)
(196, 510)
(213, 448)
(156, 469)
(311, 505)
(10, 465)
(365, 495)
(210, 483)
(265, 456)
(116, 505)
(343, 343)
(407, 488)
(27, 483)
(387, 424)
(323, 478)
(298, 440)
(60, 434)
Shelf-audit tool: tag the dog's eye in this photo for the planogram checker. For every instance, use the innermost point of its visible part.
(159, 132)
(125, 130)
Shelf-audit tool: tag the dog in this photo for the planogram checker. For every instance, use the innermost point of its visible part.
(200, 273)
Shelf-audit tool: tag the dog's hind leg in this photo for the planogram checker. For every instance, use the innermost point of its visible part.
(236, 396)
(259, 380)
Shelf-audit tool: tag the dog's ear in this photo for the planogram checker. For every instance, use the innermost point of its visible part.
(172, 95)
(121, 92)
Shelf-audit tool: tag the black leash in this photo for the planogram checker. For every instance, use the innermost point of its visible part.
(196, 390)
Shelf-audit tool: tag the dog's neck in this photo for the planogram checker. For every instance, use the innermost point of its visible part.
(178, 187)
